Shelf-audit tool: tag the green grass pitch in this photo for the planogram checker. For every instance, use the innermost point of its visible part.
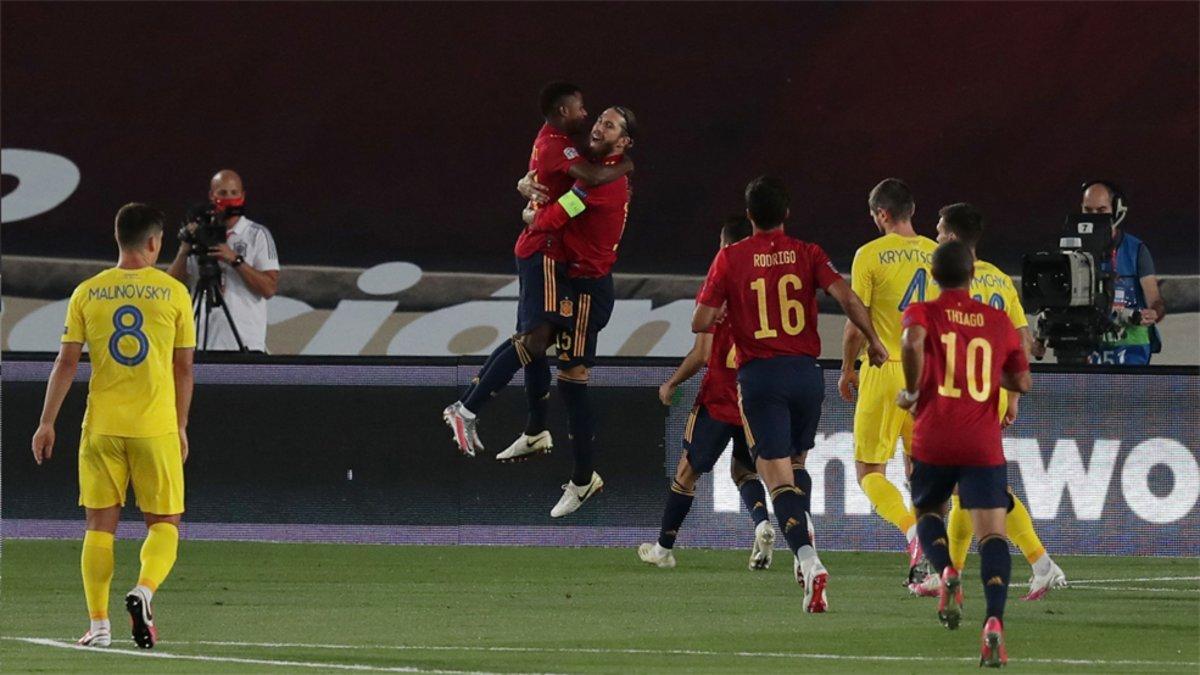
(256, 607)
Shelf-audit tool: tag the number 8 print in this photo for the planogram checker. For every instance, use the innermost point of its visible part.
(133, 330)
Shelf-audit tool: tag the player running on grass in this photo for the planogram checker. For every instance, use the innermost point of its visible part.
(545, 302)
(888, 273)
(714, 423)
(137, 324)
(963, 222)
(767, 286)
(957, 354)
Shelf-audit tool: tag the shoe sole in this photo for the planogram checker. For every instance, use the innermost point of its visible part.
(817, 604)
(951, 616)
(143, 632)
(524, 457)
(460, 434)
(991, 652)
(589, 495)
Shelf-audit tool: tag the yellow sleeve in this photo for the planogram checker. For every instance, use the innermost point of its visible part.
(1012, 304)
(860, 277)
(185, 324)
(73, 331)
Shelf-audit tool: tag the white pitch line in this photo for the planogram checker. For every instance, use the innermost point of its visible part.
(678, 652)
(1132, 588)
(235, 659)
(1110, 581)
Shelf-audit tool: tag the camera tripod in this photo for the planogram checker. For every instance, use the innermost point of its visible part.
(208, 295)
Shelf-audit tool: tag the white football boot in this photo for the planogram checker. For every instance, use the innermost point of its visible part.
(1041, 584)
(653, 554)
(764, 546)
(814, 578)
(526, 447)
(466, 433)
(575, 495)
(97, 637)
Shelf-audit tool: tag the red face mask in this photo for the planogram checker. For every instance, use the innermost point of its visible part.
(226, 204)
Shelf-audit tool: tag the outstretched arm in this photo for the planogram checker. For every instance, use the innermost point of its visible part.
(592, 175)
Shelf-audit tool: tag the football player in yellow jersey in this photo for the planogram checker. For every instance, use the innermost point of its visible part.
(137, 324)
(964, 223)
(889, 274)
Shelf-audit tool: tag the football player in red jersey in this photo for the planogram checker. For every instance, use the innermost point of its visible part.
(714, 422)
(545, 298)
(957, 354)
(592, 221)
(767, 285)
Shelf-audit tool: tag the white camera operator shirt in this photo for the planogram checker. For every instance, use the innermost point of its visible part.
(249, 310)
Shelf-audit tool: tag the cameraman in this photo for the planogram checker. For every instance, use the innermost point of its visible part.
(1135, 293)
(249, 268)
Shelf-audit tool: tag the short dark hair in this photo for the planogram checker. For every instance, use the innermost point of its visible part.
(630, 119)
(735, 228)
(767, 201)
(892, 195)
(136, 223)
(964, 221)
(552, 95)
(952, 264)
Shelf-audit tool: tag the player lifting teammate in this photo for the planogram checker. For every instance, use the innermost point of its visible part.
(545, 303)
(137, 324)
(957, 353)
(714, 423)
(592, 221)
(767, 286)
(963, 222)
(888, 273)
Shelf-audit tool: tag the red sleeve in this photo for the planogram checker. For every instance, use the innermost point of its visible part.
(712, 292)
(823, 268)
(557, 155)
(552, 216)
(713, 328)
(916, 315)
(1016, 361)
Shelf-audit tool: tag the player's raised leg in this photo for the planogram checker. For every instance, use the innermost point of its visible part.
(536, 438)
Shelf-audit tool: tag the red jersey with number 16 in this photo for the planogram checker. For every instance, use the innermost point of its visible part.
(553, 154)
(967, 346)
(768, 283)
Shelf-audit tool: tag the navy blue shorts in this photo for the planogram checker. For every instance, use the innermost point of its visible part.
(545, 295)
(979, 487)
(594, 302)
(706, 438)
(781, 404)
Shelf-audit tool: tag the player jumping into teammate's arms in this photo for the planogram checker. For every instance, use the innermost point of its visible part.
(888, 273)
(957, 354)
(592, 221)
(963, 222)
(713, 423)
(545, 301)
(767, 286)
(137, 324)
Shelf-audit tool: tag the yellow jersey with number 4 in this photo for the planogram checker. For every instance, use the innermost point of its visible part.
(132, 321)
(889, 274)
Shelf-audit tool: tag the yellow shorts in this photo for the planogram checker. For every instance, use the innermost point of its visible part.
(107, 464)
(878, 421)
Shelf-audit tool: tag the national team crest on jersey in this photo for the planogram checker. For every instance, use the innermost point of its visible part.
(566, 308)
(570, 153)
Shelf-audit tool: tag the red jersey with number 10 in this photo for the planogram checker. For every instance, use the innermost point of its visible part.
(718, 390)
(768, 283)
(553, 154)
(967, 346)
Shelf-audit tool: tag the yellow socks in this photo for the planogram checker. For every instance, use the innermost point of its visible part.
(96, 565)
(1021, 532)
(960, 529)
(888, 502)
(158, 555)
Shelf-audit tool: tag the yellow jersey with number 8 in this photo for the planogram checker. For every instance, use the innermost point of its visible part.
(889, 274)
(132, 321)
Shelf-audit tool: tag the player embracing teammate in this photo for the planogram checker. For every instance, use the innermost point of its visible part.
(765, 286)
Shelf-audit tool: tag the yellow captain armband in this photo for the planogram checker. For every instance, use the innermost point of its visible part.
(572, 201)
